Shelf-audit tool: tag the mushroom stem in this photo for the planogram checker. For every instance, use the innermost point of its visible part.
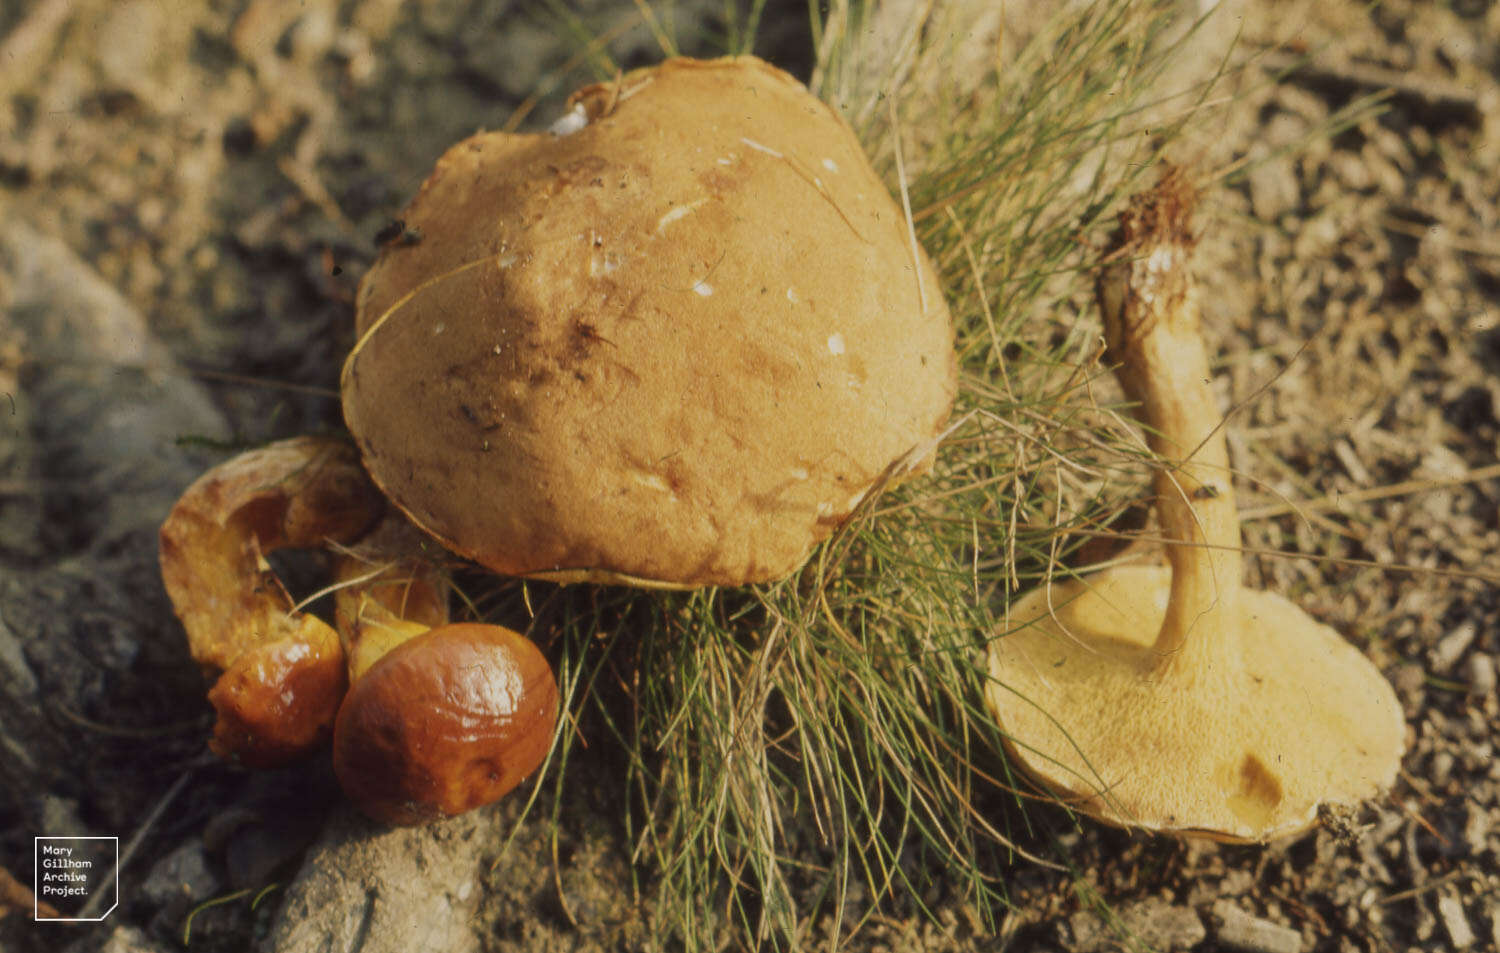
(388, 594)
(1151, 323)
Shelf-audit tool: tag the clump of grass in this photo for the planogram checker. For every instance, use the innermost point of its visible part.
(801, 755)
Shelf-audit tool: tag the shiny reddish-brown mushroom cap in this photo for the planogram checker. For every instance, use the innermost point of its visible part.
(446, 722)
(277, 701)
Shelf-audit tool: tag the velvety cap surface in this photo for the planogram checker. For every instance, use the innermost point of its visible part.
(675, 345)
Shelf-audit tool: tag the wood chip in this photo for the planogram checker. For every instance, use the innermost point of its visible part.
(1455, 921)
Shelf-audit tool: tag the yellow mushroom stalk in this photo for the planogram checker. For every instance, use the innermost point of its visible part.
(1169, 697)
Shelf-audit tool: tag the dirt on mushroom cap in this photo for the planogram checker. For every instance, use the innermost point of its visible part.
(677, 345)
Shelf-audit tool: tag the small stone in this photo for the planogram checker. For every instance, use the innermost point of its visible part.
(1239, 930)
(1479, 672)
(1410, 680)
(1273, 189)
(1152, 923)
(1441, 769)
(1455, 921)
(1451, 647)
(129, 940)
(184, 874)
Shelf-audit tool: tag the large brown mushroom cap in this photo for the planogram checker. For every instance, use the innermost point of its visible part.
(675, 346)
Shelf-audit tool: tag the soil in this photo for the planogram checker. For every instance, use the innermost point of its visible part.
(190, 193)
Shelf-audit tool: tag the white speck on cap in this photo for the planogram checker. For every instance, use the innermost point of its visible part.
(703, 288)
(761, 148)
(835, 344)
(677, 213)
(830, 165)
(791, 295)
(651, 481)
(439, 328)
(570, 122)
(505, 261)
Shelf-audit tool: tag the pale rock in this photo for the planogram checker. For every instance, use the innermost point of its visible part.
(1239, 930)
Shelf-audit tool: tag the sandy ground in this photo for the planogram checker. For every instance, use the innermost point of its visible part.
(190, 194)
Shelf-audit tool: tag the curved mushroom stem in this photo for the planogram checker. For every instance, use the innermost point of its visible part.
(1151, 324)
(283, 674)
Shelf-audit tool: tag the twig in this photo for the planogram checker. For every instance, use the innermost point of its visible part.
(16, 897)
(1283, 554)
(312, 188)
(1431, 101)
(1438, 234)
(1334, 501)
(31, 40)
(135, 841)
(1427, 887)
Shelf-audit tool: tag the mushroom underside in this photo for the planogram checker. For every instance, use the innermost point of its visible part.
(1244, 744)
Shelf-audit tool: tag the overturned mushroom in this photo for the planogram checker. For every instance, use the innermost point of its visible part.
(282, 671)
(1171, 698)
(673, 343)
(438, 718)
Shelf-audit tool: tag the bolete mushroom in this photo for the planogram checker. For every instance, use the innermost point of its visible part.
(673, 343)
(445, 722)
(282, 671)
(440, 717)
(1171, 698)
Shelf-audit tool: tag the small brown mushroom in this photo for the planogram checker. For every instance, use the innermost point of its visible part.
(673, 343)
(1171, 698)
(445, 722)
(440, 718)
(283, 671)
